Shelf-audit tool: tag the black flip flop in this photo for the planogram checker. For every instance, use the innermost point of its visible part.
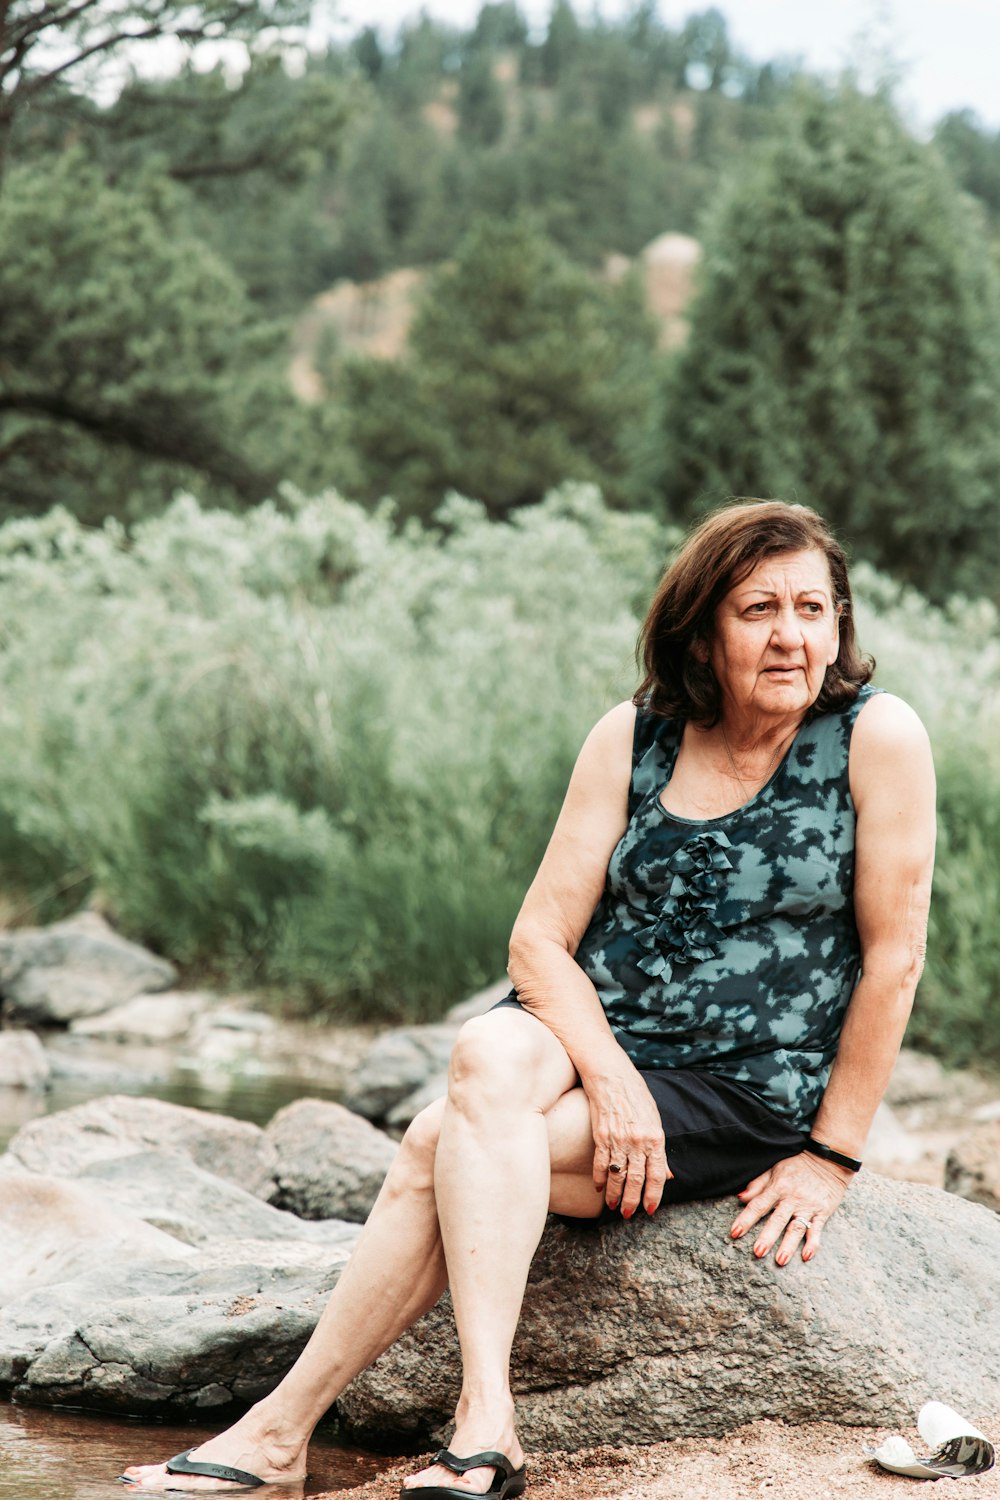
(507, 1481)
(183, 1464)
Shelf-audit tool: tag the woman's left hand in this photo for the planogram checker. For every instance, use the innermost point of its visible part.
(796, 1196)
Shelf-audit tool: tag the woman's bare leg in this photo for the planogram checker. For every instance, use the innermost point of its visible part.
(397, 1270)
(395, 1274)
(493, 1183)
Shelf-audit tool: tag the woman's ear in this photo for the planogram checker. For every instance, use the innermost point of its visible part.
(699, 650)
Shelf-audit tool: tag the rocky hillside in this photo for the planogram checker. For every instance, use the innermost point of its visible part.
(373, 317)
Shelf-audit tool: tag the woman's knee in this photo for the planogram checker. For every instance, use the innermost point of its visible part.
(509, 1057)
(414, 1163)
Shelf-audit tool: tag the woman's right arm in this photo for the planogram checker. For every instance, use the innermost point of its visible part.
(550, 984)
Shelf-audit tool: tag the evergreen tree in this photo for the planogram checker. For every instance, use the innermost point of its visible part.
(480, 100)
(845, 347)
(973, 155)
(45, 47)
(367, 50)
(522, 372)
(127, 350)
(562, 42)
(499, 24)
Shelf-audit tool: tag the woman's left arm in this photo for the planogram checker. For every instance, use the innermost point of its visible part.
(892, 785)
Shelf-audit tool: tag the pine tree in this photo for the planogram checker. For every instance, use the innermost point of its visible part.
(845, 347)
(522, 372)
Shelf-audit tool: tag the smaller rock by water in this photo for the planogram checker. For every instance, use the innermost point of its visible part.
(80, 967)
(330, 1163)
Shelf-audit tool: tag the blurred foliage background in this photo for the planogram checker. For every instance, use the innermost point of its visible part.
(598, 277)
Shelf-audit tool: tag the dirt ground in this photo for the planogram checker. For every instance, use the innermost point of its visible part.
(766, 1458)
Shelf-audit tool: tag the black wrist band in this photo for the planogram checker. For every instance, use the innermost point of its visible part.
(816, 1148)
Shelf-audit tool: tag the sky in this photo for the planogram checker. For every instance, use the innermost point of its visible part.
(947, 51)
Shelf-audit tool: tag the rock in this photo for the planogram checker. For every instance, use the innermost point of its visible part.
(147, 1018)
(478, 1004)
(131, 1067)
(230, 1037)
(52, 975)
(194, 1206)
(63, 1144)
(972, 1169)
(396, 1064)
(23, 1063)
(637, 1331)
(330, 1162)
(53, 1231)
(123, 1317)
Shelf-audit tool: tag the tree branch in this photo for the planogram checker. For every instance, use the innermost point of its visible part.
(223, 21)
(14, 33)
(166, 433)
(189, 171)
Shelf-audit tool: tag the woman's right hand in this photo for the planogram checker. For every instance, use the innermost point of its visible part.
(627, 1132)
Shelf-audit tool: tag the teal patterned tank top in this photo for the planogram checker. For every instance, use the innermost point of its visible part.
(730, 943)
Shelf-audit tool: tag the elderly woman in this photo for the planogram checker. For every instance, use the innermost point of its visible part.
(712, 972)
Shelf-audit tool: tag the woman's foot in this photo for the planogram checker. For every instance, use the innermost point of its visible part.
(479, 1435)
(250, 1445)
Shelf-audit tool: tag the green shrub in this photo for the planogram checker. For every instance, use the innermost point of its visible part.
(304, 749)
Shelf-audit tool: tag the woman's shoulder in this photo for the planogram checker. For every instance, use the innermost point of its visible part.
(609, 743)
(885, 726)
(891, 765)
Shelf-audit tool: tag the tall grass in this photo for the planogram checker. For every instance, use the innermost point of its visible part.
(303, 747)
(306, 750)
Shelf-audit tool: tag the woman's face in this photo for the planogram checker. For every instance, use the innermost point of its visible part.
(776, 632)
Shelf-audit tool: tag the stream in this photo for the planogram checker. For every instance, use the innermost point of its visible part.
(71, 1455)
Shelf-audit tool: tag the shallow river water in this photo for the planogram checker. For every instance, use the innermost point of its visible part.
(88, 1072)
(66, 1455)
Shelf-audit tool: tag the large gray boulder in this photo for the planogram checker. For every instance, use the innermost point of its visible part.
(398, 1063)
(330, 1162)
(629, 1331)
(53, 1231)
(633, 1332)
(52, 975)
(194, 1206)
(64, 1144)
(98, 1308)
(23, 1063)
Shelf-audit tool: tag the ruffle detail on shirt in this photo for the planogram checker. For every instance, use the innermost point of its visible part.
(685, 930)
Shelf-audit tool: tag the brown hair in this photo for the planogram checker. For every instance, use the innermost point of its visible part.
(719, 554)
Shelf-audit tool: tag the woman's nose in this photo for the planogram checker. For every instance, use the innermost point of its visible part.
(787, 631)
